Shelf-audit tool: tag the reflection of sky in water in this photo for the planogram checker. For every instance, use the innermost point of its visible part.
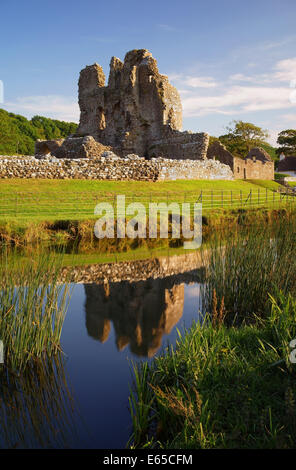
(99, 373)
(104, 330)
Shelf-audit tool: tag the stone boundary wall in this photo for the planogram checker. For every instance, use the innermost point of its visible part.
(131, 168)
(191, 265)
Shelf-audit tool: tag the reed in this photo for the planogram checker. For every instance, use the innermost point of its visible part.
(37, 407)
(226, 387)
(228, 382)
(248, 266)
(33, 304)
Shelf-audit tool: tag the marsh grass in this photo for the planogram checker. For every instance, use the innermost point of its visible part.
(33, 305)
(244, 268)
(221, 387)
(37, 407)
(228, 382)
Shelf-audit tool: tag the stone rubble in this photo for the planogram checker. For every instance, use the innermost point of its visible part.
(111, 167)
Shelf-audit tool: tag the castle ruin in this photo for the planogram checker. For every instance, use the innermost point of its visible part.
(131, 129)
(137, 112)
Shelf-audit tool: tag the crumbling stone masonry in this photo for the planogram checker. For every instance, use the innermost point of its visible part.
(137, 112)
(72, 147)
(112, 167)
(256, 165)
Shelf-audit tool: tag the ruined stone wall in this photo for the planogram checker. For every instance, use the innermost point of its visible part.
(131, 167)
(137, 112)
(133, 109)
(257, 164)
(181, 145)
(249, 169)
(219, 152)
(72, 147)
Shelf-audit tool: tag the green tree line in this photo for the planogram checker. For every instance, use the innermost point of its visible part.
(18, 134)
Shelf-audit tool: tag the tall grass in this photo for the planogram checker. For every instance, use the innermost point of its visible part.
(37, 407)
(33, 305)
(229, 382)
(244, 269)
(221, 387)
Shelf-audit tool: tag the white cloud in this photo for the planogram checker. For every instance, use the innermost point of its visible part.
(289, 118)
(259, 79)
(53, 106)
(241, 77)
(200, 82)
(237, 99)
(193, 81)
(285, 70)
(240, 93)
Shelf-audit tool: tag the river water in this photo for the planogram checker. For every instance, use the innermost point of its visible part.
(118, 314)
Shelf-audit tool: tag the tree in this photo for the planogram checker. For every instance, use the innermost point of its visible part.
(18, 134)
(287, 142)
(8, 136)
(242, 137)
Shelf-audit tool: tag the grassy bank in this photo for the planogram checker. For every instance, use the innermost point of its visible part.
(52, 200)
(22, 232)
(228, 382)
(61, 210)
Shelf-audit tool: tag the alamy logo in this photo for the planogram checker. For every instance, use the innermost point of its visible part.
(133, 221)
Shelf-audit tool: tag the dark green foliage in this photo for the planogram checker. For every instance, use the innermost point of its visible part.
(18, 134)
(287, 142)
(242, 137)
(272, 151)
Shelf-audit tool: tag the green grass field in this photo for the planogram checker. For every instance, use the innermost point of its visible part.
(50, 200)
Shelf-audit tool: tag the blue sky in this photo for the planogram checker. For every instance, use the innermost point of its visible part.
(229, 59)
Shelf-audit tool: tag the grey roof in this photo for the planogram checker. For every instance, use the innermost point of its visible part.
(260, 154)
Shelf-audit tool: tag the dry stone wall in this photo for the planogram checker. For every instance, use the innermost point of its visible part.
(111, 167)
(191, 265)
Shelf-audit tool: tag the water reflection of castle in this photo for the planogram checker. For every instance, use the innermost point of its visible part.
(141, 311)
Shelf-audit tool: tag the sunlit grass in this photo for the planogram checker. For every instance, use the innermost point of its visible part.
(228, 382)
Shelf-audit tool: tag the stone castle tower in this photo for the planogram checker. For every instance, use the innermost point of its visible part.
(137, 112)
(138, 105)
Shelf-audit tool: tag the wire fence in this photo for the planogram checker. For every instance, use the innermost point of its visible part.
(82, 204)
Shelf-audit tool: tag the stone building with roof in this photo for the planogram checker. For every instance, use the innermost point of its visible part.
(287, 165)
